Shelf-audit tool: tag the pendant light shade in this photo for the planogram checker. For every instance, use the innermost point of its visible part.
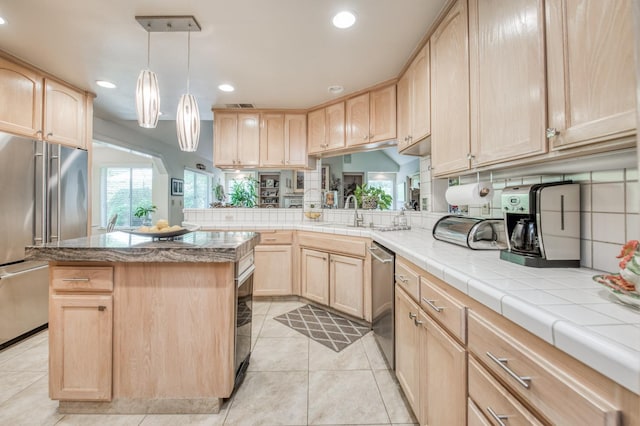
(148, 94)
(147, 99)
(188, 116)
(188, 123)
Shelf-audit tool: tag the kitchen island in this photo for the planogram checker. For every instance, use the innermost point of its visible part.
(143, 326)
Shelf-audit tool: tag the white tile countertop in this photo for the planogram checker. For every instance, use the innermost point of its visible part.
(563, 306)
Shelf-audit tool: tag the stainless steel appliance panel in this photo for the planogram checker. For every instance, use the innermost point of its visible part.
(382, 299)
(16, 196)
(24, 298)
(244, 311)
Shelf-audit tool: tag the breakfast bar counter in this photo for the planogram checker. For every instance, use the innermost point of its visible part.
(138, 325)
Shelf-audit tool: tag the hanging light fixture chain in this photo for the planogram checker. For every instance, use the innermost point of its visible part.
(149, 47)
(188, 57)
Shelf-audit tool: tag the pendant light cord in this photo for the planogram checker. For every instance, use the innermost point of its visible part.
(188, 57)
(148, 46)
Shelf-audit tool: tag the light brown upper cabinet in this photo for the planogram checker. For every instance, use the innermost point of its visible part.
(591, 71)
(414, 112)
(371, 117)
(507, 80)
(450, 92)
(236, 140)
(326, 128)
(58, 114)
(64, 114)
(21, 94)
(283, 140)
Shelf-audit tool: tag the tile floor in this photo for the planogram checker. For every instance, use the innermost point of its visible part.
(291, 380)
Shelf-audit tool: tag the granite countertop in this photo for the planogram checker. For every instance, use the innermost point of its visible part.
(563, 306)
(124, 247)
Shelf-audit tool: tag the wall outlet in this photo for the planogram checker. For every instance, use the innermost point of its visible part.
(486, 210)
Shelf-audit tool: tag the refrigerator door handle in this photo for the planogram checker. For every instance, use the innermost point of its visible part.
(55, 156)
(40, 179)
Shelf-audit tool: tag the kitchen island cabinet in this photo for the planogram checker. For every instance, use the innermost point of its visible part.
(159, 336)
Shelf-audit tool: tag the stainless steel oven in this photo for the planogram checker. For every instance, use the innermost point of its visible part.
(382, 299)
(244, 296)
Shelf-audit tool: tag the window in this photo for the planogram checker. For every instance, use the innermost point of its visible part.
(198, 190)
(385, 181)
(123, 190)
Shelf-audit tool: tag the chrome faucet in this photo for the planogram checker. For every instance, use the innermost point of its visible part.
(357, 218)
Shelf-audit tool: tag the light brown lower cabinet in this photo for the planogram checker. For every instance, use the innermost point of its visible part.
(407, 345)
(443, 375)
(272, 276)
(495, 402)
(333, 280)
(80, 339)
(475, 416)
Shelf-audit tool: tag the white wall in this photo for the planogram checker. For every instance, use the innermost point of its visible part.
(173, 159)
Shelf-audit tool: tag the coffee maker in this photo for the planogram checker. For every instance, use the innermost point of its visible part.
(542, 222)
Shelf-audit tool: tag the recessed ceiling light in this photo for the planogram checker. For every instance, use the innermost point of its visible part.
(335, 89)
(106, 84)
(226, 88)
(344, 19)
(2, 21)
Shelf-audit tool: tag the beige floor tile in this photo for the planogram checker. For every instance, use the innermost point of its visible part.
(12, 382)
(260, 307)
(35, 359)
(270, 398)
(101, 419)
(353, 357)
(257, 322)
(397, 407)
(31, 406)
(273, 328)
(279, 308)
(376, 359)
(280, 354)
(345, 397)
(184, 419)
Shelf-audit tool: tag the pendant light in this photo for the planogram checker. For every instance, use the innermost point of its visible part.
(148, 94)
(188, 116)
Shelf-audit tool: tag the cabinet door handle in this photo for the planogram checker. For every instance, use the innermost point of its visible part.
(412, 315)
(502, 363)
(551, 132)
(417, 322)
(432, 304)
(497, 417)
(102, 308)
(86, 280)
(49, 134)
(365, 137)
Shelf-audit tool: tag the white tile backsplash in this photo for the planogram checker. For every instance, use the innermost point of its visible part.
(604, 256)
(608, 227)
(607, 197)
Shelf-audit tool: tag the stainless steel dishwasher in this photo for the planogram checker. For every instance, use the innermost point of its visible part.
(382, 299)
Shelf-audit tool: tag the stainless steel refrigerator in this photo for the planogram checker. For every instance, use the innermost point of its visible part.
(43, 198)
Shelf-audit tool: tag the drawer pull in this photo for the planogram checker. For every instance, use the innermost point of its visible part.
(502, 363)
(412, 315)
(432, 304)
(402, 278)
(269, 239)
(497, 417)
(101, 308)
(417, 322)
(84, 280)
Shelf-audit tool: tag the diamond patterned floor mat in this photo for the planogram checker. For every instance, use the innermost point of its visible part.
(333, 331)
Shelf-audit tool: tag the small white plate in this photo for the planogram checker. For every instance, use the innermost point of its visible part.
(627, 297)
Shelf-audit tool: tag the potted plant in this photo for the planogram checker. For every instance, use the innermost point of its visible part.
(144, 211)
(372, 197)
(243, 192)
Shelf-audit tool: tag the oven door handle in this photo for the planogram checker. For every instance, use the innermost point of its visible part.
(246, 274)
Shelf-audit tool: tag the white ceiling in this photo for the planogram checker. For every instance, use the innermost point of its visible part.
(277, 53)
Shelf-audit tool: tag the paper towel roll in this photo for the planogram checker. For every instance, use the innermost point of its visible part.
(470, 194)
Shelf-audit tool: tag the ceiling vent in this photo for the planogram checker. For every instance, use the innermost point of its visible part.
(240, 106)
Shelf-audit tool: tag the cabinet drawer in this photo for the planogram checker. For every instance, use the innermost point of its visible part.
(277, 237)
(334, 244)
(408, 280)
(495, 401)
(474, 415)
(85, 278)
(450, 313)
(549, 389)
